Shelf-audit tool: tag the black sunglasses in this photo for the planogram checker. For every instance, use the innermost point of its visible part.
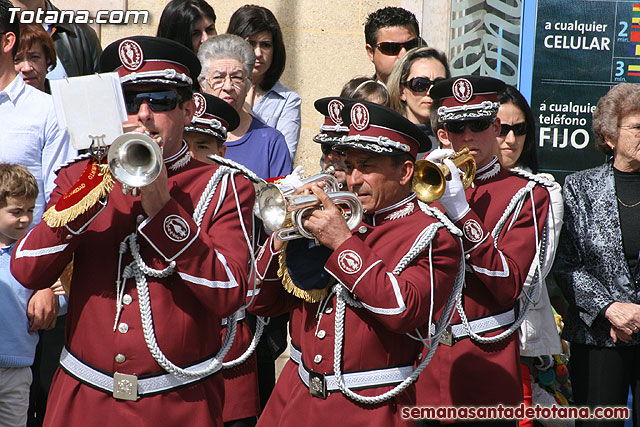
(328, 148)
(518, 129)
(477, 125)
(393, 48)
(163, 100)
(422, 84)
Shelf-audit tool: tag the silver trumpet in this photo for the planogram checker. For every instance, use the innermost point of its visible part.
(135, 160)
(280, 210)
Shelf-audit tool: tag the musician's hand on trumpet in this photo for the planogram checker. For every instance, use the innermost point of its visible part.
(327, 225)
(155, 195)
(454, 199)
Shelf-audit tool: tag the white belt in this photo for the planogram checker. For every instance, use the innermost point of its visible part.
(295, 354)
(127, 387)
(494, 322)
(242, 313)
(321, 384)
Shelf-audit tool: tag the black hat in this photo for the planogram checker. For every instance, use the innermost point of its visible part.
(144, 59)
(213, 116)
(467, 98)
(334, 128)
(380, 130)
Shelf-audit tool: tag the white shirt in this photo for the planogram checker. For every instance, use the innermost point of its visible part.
(30, 136)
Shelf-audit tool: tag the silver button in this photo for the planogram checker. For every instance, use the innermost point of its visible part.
(123, 328)
(127, 299)
(467, 256)
(317, 358)
(120, 358)
(322, 334)
(362, 229)
(328, 310)
(139, 219)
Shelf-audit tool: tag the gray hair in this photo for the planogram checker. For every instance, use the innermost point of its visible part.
(226, 46)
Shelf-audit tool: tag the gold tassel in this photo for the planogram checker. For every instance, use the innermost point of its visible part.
(55, 218)
(311, 295)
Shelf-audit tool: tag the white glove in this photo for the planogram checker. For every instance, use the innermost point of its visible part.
(438, 154)
(294, 179)
(454, 200)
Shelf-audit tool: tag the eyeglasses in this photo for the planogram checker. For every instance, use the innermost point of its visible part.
(218, 81)
(394, 48)
(328, 148)
(477, 125)
(163, 100)
(518, 129)
(422, 84)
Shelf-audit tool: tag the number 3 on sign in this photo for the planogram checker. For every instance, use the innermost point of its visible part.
(619, 68)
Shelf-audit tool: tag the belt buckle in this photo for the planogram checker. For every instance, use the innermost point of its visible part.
(317, 385)
(125, 387)
(447, 337)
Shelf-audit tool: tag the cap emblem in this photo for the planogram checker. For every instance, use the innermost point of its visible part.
(130, 54)
(462, 90)
(359, 117)
(335, 111)
(201, 104)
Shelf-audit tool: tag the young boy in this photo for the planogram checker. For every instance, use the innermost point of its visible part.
(20, 320)
(208, 129)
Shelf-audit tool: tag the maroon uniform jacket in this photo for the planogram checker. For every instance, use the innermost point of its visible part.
(470, 373)
(209, 283)
(374, 335)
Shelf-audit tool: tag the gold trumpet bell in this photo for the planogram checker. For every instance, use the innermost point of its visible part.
(430, 179)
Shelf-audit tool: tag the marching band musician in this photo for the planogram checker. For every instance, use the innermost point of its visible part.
(205, 136)
(153, 275)
(502, 217)
(386, 273)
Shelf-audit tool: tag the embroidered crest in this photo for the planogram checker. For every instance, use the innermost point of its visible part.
(176, 228)
(400, 212)
(462, 90)
(181, 162)
(335, 111)
(130, 54)
(201, 104)
(349, 261)
(472, 231)
(359, 117)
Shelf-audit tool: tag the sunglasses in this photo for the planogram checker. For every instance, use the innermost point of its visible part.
(164, 100)
(518, 129)
(394, 48)
(328, 148)
(422, 84)
(478, 125)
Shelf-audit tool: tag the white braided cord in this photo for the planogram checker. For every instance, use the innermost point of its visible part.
(343, 298)
(139, 270)
(516, 200)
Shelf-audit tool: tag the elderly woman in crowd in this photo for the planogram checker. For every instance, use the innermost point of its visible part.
(597, 264)
(35, 57)
(410, 85)
(272, 102)
(227, 64)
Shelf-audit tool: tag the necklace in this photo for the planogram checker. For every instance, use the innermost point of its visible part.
(626, 205)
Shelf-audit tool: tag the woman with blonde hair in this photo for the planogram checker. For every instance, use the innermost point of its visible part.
(410, 84)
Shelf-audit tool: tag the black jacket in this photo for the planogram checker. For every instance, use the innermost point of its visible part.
(77, 47)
